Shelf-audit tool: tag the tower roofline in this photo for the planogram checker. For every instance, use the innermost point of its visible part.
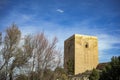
(85, 35)
(81, 35)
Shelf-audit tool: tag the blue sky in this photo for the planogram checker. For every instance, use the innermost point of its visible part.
(63, 18)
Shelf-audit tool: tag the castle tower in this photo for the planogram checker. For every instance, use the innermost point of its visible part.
(83, 51)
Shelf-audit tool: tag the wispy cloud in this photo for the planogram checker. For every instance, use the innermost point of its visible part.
(60, 10)
(108, 41)
(26, 17)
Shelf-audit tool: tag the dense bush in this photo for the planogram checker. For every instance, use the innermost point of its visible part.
(94, 75)
(112, 70)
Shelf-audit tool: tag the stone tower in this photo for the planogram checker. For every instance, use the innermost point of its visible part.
(83, 51)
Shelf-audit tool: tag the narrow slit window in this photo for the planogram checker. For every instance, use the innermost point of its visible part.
(86, 45)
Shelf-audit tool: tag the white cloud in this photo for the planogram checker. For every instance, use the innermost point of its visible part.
(60, 10)
(107, 41)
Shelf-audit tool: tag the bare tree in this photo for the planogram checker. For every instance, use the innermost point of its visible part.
(23, 54)
(10, 43)
(13, 55)
(37, 51)
(44, 54)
